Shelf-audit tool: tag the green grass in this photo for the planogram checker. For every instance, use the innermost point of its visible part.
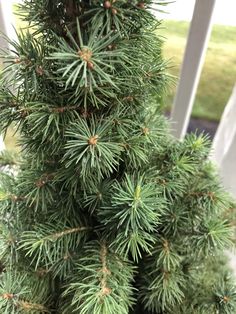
(219, 71)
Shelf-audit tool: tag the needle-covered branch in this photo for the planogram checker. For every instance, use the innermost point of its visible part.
(104, 212)
(105, 284)
(48, 244)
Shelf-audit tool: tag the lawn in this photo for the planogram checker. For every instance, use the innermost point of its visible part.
(219, 71)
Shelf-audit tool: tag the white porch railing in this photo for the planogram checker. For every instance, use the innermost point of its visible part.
(6, 27)
(224, 144)
(7, 21)
(198, 37)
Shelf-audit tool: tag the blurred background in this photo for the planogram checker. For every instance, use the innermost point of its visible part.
(219, 71)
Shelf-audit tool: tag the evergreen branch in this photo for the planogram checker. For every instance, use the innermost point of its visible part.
(90, 147)
(44, 125)
(198, 145)
(47, 246)
(213, 235)
(30, 107)
(8, 158)
(22, 305)
(165, 256)
(135, 243)
(97, 194)
(31, 307)
(161, 290)
(8, 242)
(177, 218)
(210, 196)
(37, 187)
(224, 297)
(120, 15)
(105, 291)
(133, 212)
(86, 64)
(58, 235)
(14, 198)
(26, 63)
(132, 200)
(18, 292)
(8, 109)
(135, 153)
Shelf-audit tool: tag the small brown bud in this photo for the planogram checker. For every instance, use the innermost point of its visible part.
(141, 5)
(107, 4)
(59, 109)
(148, 74)
(114, 11)
(14, 198)
(40, 183)
(112, 47)
(8, 296)
(163, 182)
(129, 98)
(226, 299)
(145, 131)
(106, 271)
(90, 65)
(93, 140)
(17, 61)
(106, 291)
(85, 54)
(66, 257)
(39, 70)
(23, 113)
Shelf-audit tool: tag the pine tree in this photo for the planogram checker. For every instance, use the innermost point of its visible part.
(108, 213)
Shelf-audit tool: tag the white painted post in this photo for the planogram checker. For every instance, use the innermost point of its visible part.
(2, 26)
(224, 145)
(6, 22)
(198, 37)
(224, 155)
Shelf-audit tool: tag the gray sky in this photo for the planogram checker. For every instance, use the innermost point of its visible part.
(224, 13)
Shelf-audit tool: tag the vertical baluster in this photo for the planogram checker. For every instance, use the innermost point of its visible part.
(198, 37)
(6, 27)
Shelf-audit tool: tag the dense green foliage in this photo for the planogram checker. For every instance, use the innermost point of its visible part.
(108, 214)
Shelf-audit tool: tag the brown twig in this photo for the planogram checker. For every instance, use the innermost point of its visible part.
(61, 234)
(105, 290)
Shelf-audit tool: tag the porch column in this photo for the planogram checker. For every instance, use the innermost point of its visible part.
(194, 56)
